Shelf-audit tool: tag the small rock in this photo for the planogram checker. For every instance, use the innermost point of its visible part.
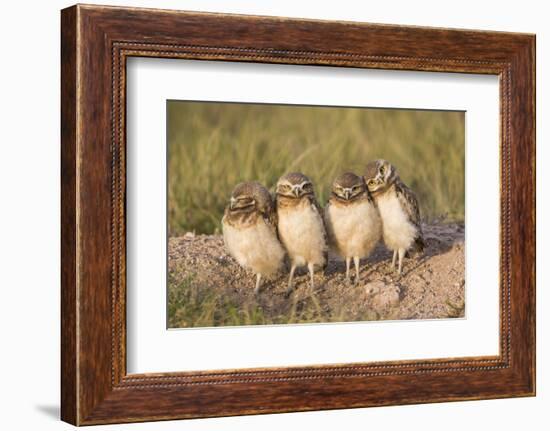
(383, 295)
(189, 235)
(374, 287)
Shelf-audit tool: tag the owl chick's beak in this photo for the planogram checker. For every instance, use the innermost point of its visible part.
(297, 191)
(347, 194)
(232, 203)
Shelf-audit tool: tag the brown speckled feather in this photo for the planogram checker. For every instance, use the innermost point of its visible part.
(315, 205)
(409, 203)
(270, 215)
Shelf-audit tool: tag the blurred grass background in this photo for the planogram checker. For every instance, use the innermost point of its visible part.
(214, 146)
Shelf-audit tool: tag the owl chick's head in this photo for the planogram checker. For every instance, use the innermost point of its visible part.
(249, 196)
(379, 175)
(348, 187)
(294, 185)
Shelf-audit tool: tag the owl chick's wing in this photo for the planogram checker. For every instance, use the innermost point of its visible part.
(325, 210)
(409, 203)
(225, 217)
(269, 214)
(317, 208)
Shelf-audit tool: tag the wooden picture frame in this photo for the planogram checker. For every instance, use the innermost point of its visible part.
(96, 41)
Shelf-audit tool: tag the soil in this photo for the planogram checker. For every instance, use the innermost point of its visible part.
(431, 286)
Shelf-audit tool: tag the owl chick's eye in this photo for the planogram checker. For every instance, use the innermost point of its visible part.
(371, 183)
(382, 170)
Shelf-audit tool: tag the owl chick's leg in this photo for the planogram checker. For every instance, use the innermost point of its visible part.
(310, 267)
(393, 259)
(258, 284)
(401, 255)
(348, 262)
(356, 262)
(290, 277)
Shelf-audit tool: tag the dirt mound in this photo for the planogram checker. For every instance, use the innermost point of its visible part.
(207, 287)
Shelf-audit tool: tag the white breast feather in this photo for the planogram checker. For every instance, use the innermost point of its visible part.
(255, 247)
(398, 231)
(301, 230)
(355, 229)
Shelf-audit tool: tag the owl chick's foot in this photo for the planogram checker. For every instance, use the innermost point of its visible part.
(311, 268)
(348, 263)
(258, 284)
(290, 287)
(356, 261)
(390, 270)
(401, 253)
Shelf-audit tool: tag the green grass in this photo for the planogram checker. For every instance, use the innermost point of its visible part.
(192, 305)
(213, 146)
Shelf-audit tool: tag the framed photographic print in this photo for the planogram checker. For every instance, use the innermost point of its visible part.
(268, 215)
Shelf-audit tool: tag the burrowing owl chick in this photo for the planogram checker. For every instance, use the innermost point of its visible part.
(398, 208)
(352, 220)
(300, 224)
(250, 231)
